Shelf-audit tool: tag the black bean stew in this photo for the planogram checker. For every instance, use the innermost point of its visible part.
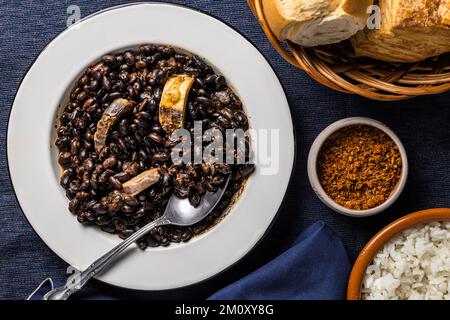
(137, 142)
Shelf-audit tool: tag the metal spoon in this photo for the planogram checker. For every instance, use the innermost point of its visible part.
(178, 212)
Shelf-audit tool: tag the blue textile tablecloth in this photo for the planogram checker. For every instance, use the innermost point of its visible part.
(423, 124)
(315, 267)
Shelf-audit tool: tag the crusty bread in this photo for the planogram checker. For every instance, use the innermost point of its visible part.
(411, 31)
(316, 22)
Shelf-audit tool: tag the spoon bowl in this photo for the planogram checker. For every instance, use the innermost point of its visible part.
(181, 213)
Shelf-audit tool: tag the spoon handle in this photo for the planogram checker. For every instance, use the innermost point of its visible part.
(78, 279)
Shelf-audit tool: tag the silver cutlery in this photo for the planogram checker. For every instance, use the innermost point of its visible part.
(178, 212)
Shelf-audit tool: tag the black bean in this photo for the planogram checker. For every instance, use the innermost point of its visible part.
(102, 220)
(192, 71)
(127, 232)
(109, 59)
(223, 97)
(144, 115)
(152, 106)
(108, 228)
(82, 96)
(241, 117)
(99, 208)
(147, 49)
(115, 183)
(83, 153)
(128, 209)
(74, 204)
(122, 176)
(217, 180)
(169, 51)
(136, 88)
(194, 200)
(175, 237)
(86, 106)
(220, 82)
(165, 180)
(131, 200)
(66, 178)
(210, 79)
(143, 105)
(84, 80)
(103, 178)
(88, 165)
(156, 57)
(157, 93)
(164, 242)
(123, 126)
(210, 187)
(142, 155)
(204, 101)
(156, 128)
(186, 236)
(129, 58)
(65, 158)
(115, 205)
(161, 156)
(62, 142)
(140, 64)
(96, 75)
(151, 242)
(94, 85)
(246, 170)
(224, 122)
(124, 76)
(119, 59)
(156, 137)
(94, 181)
(91, 217)
(110, 162)
(182, 192)
(115, 95)
(106, 83)
(227, 113)
(82, 217)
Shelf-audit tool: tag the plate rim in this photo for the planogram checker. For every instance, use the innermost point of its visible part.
(219, 19)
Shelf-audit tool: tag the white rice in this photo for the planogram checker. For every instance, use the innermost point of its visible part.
(414, 265)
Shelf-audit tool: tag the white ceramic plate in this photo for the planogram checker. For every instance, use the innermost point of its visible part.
(35, 174)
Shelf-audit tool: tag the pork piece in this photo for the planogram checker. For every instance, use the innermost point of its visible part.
(141, 182)
(112, 113)
(173, 102)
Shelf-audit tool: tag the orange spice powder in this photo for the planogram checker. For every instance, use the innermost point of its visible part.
(359, 167)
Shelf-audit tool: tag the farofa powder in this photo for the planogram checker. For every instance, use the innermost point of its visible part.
(359, 166)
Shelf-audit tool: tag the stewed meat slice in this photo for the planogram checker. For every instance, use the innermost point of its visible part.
(112, 113)
(173, 102)
(141, 182)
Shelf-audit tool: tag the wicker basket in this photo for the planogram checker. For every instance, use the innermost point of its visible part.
(336, 67)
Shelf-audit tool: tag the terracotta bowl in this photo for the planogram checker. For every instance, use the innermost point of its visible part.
(377, 242)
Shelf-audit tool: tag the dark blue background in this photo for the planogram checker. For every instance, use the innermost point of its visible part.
(423, 124)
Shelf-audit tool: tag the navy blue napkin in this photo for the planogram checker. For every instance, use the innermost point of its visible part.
(316, 267)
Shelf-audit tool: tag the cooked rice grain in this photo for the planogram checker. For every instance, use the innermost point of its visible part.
(414, 265)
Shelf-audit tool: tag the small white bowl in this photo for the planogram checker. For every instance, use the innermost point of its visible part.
(314, 179)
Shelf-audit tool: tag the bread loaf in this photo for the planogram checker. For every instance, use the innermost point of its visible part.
(411, 31)
(316, 22)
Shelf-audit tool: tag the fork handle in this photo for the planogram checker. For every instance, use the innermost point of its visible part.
(79, 278)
